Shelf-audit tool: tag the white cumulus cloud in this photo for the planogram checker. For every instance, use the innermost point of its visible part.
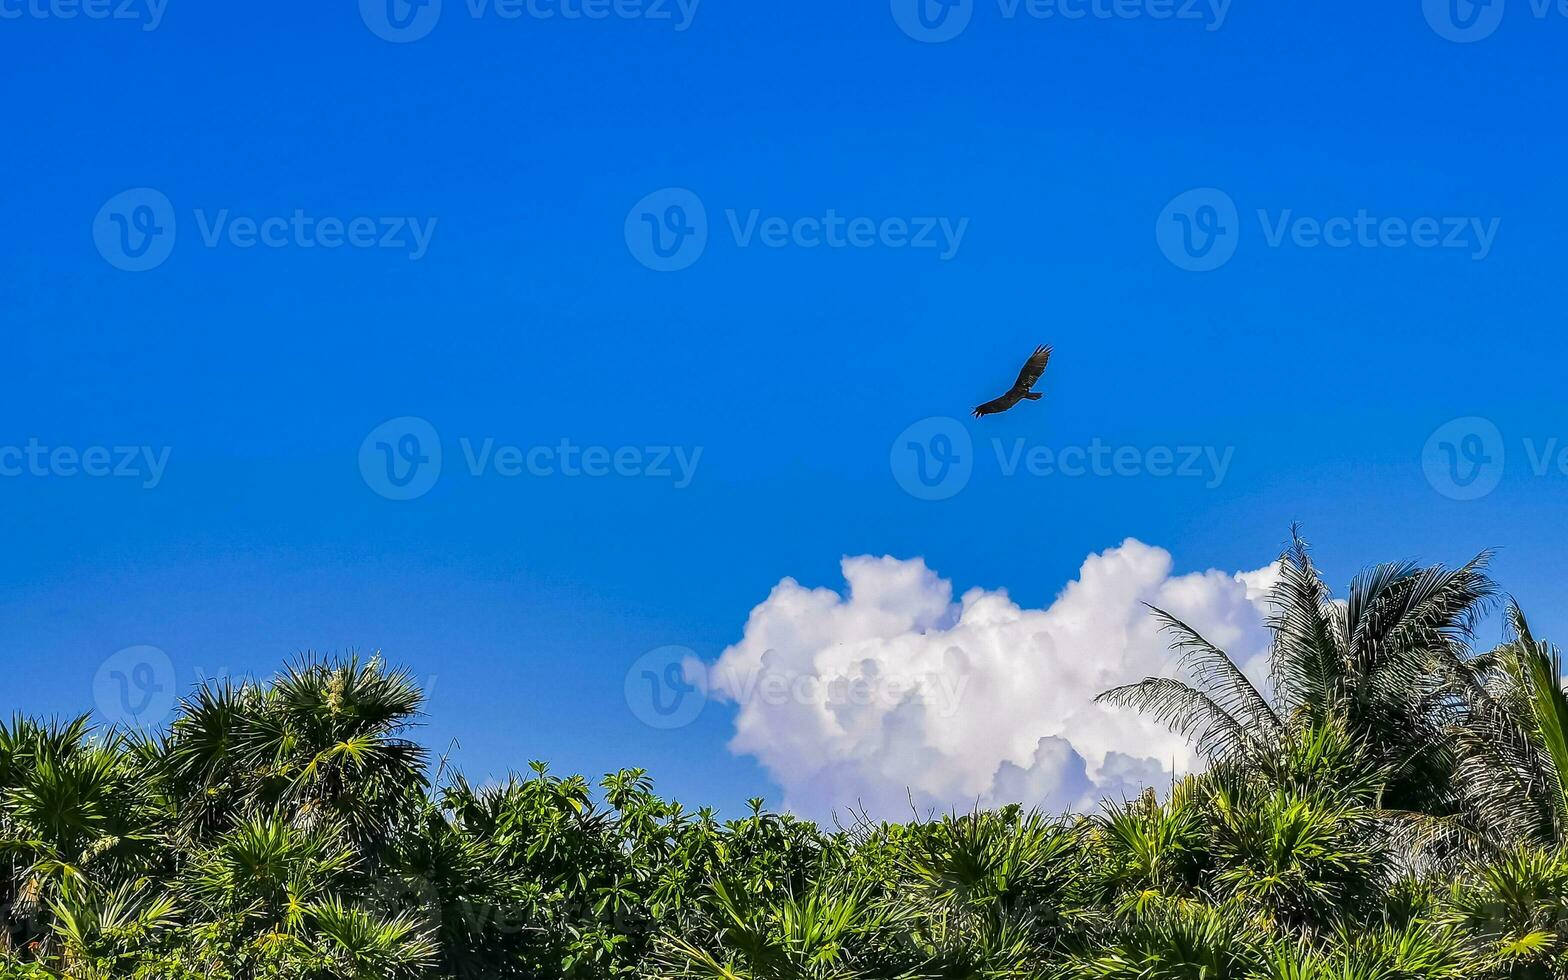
(892, 691)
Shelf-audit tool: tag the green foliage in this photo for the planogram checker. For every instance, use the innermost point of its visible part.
(1392, 806)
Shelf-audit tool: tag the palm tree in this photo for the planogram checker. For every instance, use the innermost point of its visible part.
(990, 892)
(287, 831)
(1512, 741)
(1376, 664)
(821, 935)
(99, 929)
(79, 810)
(325, 741)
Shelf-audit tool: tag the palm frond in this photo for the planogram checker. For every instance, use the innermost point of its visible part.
(1187, 711)
(1218, 676)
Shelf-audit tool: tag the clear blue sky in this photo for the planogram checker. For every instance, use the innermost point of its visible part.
(1056, 144)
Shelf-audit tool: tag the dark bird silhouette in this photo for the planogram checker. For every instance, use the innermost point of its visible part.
(1033, 368)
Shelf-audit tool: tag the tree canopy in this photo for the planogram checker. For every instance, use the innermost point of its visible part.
(1392, 803)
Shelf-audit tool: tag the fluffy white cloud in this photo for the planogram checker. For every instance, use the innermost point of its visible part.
(892, 692)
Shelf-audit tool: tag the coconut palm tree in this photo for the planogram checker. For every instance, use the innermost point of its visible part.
(1376, 664)
(1511, 742)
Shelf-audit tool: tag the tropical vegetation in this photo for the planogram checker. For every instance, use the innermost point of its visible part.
(1392, 803)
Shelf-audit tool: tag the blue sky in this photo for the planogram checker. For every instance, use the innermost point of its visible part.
(1047, 156)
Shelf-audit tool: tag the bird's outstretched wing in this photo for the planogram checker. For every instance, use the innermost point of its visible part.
(1033, 369)
(997, 406)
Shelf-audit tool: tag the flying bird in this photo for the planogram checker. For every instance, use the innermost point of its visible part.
(1033, 368)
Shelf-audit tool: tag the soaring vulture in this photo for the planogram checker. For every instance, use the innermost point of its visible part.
(1033, 368)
